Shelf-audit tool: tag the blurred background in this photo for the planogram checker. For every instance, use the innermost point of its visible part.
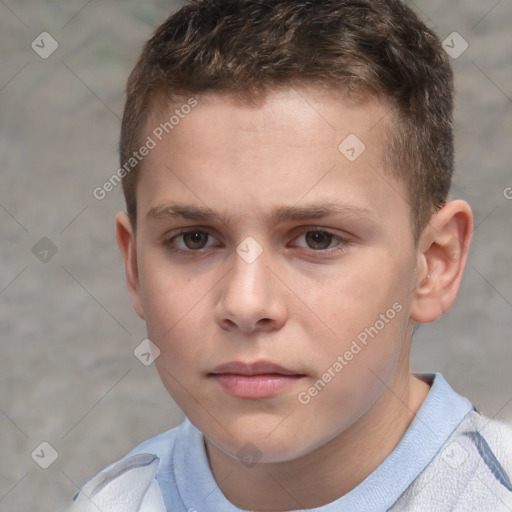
(73, 396)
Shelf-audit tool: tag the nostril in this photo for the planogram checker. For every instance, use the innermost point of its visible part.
(227, 324)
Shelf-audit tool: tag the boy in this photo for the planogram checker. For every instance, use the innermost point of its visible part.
(286, 166)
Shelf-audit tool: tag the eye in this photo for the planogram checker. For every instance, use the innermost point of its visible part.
(318, 240)
(193, 240)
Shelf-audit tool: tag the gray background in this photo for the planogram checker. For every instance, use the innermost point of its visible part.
(68, 374)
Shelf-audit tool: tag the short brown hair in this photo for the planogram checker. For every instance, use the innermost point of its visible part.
(249, 47)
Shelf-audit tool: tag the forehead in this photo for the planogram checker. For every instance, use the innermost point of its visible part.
(314, 112)
(296, 144)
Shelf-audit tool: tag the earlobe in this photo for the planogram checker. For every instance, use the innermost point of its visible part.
(126, 241)
(443, 251)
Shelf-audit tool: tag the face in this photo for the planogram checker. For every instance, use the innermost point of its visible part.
(274, 268)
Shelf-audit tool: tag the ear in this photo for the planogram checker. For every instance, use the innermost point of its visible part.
(442, 254)
(126, 241)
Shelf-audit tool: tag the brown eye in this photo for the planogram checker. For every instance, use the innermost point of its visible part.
(192, 242)
(319, 240)
(195, 239)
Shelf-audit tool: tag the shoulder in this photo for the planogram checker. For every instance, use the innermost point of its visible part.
(471, 472)
(161, 445)
(478, 460)
(487, 445)
(132, 481)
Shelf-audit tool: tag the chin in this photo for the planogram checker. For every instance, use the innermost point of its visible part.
(260, 441)
(250, 450)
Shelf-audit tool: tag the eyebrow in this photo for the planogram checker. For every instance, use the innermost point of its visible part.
(280, 214)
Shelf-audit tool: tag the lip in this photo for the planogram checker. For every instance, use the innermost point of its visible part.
(261, 379)
(251, 369)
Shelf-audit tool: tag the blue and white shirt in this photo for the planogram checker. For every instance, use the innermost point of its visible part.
(451, 459)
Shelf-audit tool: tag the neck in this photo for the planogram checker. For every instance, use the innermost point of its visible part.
(332, 470)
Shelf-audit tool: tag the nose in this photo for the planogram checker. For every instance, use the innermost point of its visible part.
(251, 299)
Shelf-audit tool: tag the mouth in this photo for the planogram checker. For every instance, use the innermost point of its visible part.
(262, 379)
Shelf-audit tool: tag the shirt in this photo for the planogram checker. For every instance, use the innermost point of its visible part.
(450, 459)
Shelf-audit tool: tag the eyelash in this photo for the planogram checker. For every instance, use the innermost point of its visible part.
(340, 247)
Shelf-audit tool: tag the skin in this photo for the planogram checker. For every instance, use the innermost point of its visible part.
(299, 304)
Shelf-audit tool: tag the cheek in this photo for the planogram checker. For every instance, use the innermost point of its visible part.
(172, 304)
(365, 310)
(360, 291)
(353, 374)
(175, 323)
